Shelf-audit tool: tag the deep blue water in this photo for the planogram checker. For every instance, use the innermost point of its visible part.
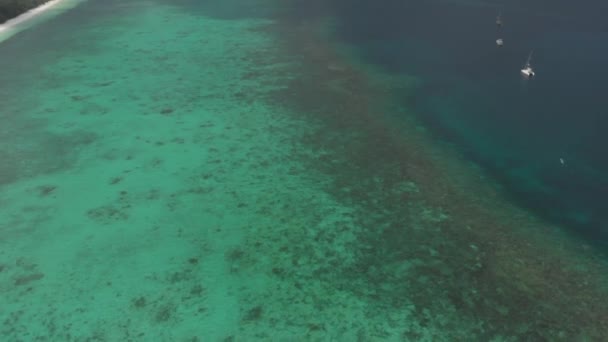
(472, 93)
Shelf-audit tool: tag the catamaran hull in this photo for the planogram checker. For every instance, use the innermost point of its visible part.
(527, 72)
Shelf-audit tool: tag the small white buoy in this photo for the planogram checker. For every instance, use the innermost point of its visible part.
(562, 161)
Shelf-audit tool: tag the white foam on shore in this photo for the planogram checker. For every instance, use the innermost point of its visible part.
(35, 16)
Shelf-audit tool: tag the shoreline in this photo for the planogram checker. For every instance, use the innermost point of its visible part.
(35, 16)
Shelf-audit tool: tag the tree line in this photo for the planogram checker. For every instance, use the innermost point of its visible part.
(12, 8)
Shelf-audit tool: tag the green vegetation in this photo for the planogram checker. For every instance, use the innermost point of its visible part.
(12, 8)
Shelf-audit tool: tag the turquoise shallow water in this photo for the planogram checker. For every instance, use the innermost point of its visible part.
(175, 171)
(132, 175)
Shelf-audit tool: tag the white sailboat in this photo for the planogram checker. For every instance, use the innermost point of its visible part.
(527, 70)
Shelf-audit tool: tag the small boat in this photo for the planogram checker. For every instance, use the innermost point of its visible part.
(498, 20)
(499, 41)
(527, 70)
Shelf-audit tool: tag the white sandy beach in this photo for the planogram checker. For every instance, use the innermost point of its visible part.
(35, 16)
